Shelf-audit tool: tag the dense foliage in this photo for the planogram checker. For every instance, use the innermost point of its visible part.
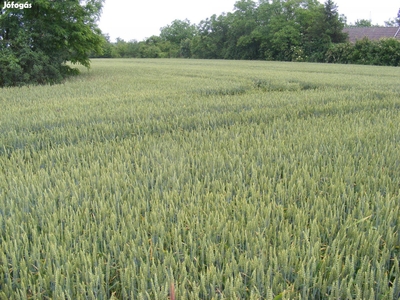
(385, 52)
(231, 180)
(36, 42)
(293, 30)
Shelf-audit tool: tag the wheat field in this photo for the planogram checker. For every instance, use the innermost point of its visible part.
(202, 179)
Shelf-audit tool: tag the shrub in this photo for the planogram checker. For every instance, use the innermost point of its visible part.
(389, 52)
(364, 52)
(26, 66)
(339, 53)
(385, 52)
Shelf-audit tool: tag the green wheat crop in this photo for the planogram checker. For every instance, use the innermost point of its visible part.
(224, 179)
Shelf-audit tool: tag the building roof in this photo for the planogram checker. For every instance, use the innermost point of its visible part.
(372, 33)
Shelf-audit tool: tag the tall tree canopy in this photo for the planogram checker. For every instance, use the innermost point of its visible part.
(36, 42)
(177, 31)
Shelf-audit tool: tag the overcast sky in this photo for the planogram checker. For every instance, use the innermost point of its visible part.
(132, 19)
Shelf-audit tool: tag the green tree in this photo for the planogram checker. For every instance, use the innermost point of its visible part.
(210, 39)
(334, 23)
(121, 48)
(311, 20)
(363, 23)
(284, 31)
(133, 49)
(106, 47)
(326, 29)
(242, 40)
(150, 47)
(185, 48)
(37, 42)
(178, 31)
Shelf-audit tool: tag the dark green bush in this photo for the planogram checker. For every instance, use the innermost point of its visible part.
(25, 66)
(385, 52)
(364, 52)
(389, 52)
(11, 71)
(339, 53)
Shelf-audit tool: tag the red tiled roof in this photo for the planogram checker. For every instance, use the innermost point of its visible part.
(372, 33)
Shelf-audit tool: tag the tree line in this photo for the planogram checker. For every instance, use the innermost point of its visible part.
(38, 44)
(283, 30)
(286, 30)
